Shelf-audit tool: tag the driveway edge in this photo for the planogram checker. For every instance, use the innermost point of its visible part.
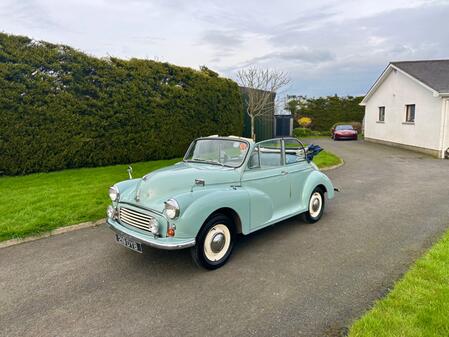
(333, 167)
(56, 231)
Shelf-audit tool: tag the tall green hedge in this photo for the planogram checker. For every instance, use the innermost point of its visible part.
(60, 108)
(326, 111)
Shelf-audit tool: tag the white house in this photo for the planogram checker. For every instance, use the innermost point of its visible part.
(408, 106)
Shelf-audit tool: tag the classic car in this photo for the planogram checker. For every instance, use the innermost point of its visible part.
(224, 186)
(344, 132)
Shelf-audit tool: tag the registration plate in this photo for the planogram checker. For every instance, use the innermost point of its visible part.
(128, 243)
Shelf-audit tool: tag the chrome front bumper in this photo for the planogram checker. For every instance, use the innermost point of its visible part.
(161, 243)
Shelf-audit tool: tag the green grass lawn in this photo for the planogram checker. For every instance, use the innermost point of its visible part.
(418, 305)
(40, 202)
(326, 159)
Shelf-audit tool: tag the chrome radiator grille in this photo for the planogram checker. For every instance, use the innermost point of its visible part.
(134, 218)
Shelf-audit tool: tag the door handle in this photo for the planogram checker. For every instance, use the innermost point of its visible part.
(284, 173)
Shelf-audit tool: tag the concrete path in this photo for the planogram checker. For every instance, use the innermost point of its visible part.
(293, 279)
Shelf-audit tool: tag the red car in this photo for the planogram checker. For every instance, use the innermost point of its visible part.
(344, 132)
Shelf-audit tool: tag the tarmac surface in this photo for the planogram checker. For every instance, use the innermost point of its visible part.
(292, 279)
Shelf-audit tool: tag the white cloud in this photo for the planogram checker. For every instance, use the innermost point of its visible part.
(328, 46)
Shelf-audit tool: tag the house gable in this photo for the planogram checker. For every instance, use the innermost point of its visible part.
(391, 68)
(433, 73)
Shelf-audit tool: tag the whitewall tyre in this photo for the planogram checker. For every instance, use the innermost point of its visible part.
(315, 206)
(214, 242)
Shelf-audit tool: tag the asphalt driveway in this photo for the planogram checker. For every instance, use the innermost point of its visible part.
(293, 279)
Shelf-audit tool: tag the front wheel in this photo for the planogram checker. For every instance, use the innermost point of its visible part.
(214, 243)
(316, 206)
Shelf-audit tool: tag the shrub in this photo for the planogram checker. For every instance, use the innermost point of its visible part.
(305, 122)
(357, 126)
(323, 133)
(302, 132)
(60, 108)
(305, 132)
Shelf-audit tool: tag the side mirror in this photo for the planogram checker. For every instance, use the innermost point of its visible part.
(130, 171)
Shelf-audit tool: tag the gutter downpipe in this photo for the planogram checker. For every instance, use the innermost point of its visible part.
(444, 126)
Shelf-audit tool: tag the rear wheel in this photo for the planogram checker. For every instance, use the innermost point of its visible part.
(316, 206)
(214, 243)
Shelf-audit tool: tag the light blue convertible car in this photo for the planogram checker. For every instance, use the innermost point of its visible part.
(224, 186)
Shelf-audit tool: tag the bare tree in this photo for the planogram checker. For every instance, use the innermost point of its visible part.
(262, 85)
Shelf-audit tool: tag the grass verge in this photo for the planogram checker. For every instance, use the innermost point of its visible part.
(41, 202)
(418, 305)
(326, 159)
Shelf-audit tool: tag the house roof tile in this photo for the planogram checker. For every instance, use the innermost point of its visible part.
(433, 73)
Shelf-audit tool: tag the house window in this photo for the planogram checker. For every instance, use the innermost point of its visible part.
(410, 113)
(381, 114)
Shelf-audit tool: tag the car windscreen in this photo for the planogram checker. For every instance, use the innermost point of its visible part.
(344, 127)
(225, 152)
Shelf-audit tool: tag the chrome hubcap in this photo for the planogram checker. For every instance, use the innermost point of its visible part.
(218, 242)
(315, 204)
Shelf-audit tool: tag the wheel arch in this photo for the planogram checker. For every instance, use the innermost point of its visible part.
(231, 214)
(233, 203)
(317, 179)
(322, 188)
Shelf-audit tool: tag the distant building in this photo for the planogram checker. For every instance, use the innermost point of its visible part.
(408, 106)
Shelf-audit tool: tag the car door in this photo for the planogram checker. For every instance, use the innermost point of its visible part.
(267, 183)
(298, 170)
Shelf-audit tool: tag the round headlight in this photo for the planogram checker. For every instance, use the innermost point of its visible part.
(172, 208)
(113, 193)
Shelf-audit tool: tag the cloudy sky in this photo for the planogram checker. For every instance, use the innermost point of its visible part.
(326, 46)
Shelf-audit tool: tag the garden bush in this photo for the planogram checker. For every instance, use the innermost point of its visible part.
(305, 122)
(304, 132)
(60, 108)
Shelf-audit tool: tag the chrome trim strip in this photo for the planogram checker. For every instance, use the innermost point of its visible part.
(152, 243)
